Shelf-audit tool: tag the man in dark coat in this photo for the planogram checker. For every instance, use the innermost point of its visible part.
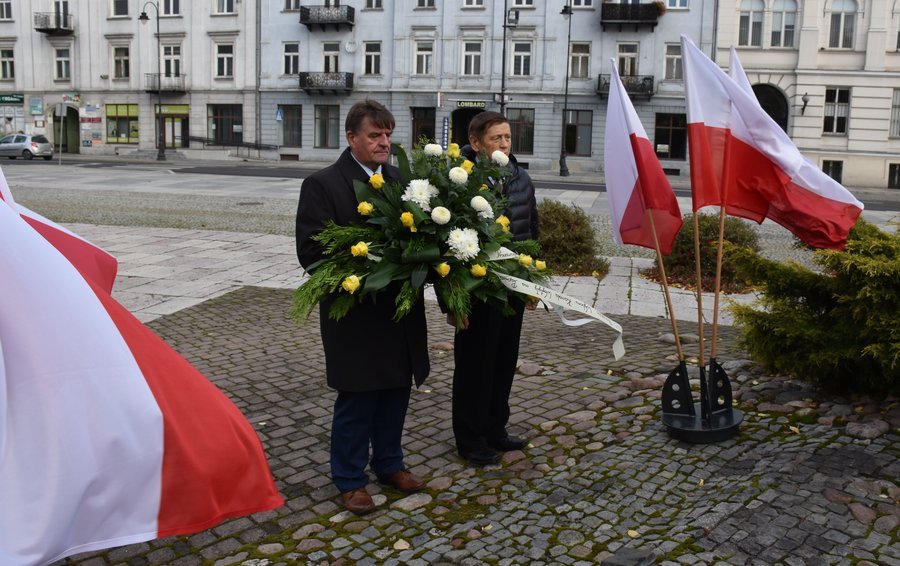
(369, 359)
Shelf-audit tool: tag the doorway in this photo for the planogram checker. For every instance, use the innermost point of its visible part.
(423, 125)
(70, 141)
(459, 124)
(773, 102)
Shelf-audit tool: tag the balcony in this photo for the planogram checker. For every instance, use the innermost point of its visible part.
(171, 84)
(322, 17)
(637, 86)
(627, 15)
(326, 83)
(54, 23)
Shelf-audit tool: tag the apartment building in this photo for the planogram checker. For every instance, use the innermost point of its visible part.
(828, 71)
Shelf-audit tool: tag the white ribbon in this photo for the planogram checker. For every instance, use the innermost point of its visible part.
(558, 302)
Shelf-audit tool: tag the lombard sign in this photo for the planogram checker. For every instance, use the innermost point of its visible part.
(12, 98)
(471, 104)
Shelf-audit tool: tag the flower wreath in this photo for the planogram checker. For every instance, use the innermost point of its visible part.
(441, 224)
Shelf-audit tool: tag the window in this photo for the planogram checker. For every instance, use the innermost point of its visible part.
(331, 56)
(523, 3)
(674, 71)
(122, 125)
(372, 51)
(424, 58)
(8, 67)
(582, 3)
(171, 7)
(291, 59)
(837, 110)
(121, 65)
(63, 64)
(843, 24)
(521, 63)
(578, 132)
(224, 60)
(6, 10)
(895, 115)
(172, 60)
(289, 133)
(627, 56)
(327, 126)
(291, 5)
(894, 175)
(834, 169)
(424, 3)
(750, 25)
(471, 58)
(473, 4)
(677, 4)
(671, 136)
(225, 123)
(521, 123)
(784, 21)
(580, 60)
(224, 6)
(373, 4)
(119, 7)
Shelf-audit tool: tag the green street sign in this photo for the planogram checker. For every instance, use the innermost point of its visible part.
(12, 98)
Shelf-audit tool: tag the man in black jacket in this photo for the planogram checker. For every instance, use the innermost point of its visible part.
(369, 359)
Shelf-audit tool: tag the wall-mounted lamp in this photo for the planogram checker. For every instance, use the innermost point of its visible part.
(104, 77)
(805, 100)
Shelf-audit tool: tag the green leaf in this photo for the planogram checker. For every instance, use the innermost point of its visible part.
(402, 161)
(382, 274)
(417, 279)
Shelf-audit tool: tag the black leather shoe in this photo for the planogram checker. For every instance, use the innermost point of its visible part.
(508, 443)
(481, 457)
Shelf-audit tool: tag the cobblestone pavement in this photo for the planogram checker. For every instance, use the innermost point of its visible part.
(601, 474)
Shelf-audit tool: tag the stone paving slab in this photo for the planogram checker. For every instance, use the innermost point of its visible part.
(600, 474)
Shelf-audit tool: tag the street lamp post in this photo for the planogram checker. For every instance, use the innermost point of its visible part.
(563, 168)
(160, 144)
(510, 20)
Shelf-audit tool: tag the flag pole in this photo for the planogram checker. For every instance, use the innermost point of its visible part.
(696, 222)
(715, 328)
(665, 285)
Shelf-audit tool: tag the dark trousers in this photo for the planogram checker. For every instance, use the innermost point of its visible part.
(361, 419)
(486, 355)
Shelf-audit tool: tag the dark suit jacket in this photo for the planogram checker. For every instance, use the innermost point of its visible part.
(366, 350)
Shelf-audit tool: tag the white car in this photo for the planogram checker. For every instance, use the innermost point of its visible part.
(26, 146)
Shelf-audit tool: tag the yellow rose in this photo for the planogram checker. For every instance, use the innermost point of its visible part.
(365, 208)
(376, 180)
(503, 221)
(540, 265)
(478, 270)
(467, 165)
(351, 284)
(443, 269)
(360, 250)
(453, 151)
(525, 260)
(483, 188)
(407, 220)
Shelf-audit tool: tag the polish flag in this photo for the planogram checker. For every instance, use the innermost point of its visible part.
(635, 181)
(742, 159)
(107, 436)
(89, 259)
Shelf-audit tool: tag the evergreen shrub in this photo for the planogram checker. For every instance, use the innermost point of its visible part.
(680, 265)
(839, 329)
(568, 242)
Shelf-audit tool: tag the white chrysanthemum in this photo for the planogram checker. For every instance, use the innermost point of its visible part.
(500, 158)
(463, 243)
(480, 204)
(440, 215)
(459, 176)
(433, 150)
(420, 191)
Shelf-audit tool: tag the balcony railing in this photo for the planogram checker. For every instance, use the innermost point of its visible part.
(326, 83)
(54, 23)
(635, 85)
(636, 15)
(153, 82)
(324, 16)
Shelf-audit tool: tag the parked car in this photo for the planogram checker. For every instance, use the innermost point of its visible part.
(27, 146)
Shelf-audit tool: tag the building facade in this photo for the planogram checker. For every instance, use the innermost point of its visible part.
(273, 79)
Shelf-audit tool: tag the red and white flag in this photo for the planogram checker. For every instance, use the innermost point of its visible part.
(635, 181)
(107, 435)
(742, 159)
(90, 260)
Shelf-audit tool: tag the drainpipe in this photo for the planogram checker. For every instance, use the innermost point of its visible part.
(258, 75)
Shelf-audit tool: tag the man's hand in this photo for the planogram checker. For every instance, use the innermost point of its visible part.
(532, 303)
